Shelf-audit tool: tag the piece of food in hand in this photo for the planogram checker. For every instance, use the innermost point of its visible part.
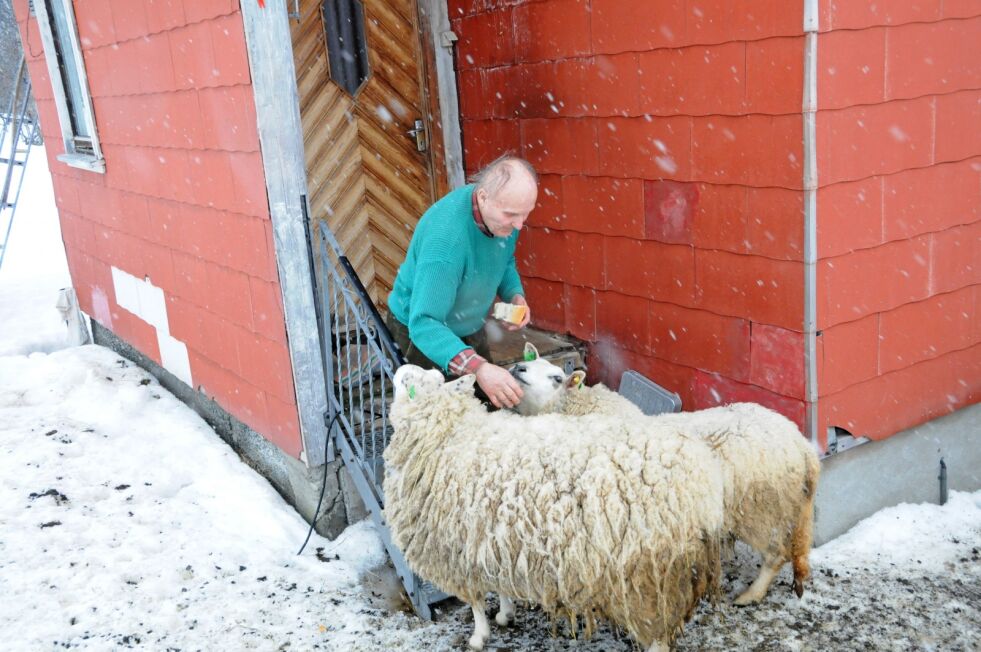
(510, 312)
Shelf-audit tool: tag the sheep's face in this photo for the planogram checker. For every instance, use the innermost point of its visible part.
(541, 381)
(411, 381)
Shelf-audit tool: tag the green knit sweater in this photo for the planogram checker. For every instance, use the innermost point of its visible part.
(452, 271)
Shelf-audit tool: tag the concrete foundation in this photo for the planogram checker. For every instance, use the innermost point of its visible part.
(904, 468)
(299, 485)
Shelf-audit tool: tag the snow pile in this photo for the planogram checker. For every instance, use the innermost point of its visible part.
(924, 536)
(34, 268)
(125, 519)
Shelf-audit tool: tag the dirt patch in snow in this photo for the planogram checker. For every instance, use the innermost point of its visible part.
(870, 608)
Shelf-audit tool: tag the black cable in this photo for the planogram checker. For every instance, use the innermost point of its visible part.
(323, 487)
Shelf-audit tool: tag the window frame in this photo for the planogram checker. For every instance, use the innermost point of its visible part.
(362, 46)
(74, 156)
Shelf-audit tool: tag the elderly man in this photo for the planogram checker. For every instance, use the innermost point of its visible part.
(461, 257)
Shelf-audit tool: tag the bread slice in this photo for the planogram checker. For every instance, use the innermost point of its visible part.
(510, 312)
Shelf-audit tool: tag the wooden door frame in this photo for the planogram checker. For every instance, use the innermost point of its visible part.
(439, 88)
(277, 102)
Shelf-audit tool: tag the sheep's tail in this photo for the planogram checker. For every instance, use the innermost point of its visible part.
(800, 544)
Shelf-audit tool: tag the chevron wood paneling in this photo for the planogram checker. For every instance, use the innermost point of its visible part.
(364, 176)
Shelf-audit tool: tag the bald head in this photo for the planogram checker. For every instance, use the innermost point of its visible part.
(506, 192)
(501, 172)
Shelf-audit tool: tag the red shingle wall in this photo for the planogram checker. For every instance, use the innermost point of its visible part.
(182, 202)
(899, 212)
(668, 136)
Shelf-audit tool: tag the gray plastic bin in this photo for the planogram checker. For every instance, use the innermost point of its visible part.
(650, 397)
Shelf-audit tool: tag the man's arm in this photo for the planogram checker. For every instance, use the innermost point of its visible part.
(433, 295)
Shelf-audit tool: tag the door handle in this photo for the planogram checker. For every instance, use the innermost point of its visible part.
(418, 132)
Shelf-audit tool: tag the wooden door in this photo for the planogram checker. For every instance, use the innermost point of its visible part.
(366, 177)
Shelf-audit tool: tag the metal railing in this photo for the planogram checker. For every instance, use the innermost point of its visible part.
(18, 125)
(360, 362)
(28, 128)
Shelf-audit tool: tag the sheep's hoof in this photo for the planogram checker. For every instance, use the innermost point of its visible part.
(502, 619)
(799, 587)
(745, 599)
(477, 642)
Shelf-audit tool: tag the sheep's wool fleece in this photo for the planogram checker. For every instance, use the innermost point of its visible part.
(598, 399)
(770, 468)
(582, 515)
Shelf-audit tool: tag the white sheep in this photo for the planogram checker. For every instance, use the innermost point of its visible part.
(771, 471)
(585, 516)
(771, 475)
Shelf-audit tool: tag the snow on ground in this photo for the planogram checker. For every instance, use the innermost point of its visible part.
(34, 268)
(126, 522)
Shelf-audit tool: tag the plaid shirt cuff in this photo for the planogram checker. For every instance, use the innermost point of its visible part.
(465, 362)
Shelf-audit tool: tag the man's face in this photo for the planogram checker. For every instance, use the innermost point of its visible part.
(509, 208)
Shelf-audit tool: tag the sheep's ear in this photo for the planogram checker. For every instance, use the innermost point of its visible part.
(462, 385)
(434, 377)
(576, 379)
(531, 353)
(407, 378)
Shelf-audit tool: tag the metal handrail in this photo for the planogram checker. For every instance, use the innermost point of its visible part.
(15, 121)
(359, 366)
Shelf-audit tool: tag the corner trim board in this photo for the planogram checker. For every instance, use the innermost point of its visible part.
(277, 104)
(809, 113)
(449, 107)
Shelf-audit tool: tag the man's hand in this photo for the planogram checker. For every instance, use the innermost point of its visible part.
(500, 386)
(519, 301)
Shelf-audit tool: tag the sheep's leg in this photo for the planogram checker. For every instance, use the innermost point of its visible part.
(757, 590)
(659, 646)
(506, 613)
(481, 628)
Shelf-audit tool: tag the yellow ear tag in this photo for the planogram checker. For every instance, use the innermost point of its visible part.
(530, 355)
(412, 391)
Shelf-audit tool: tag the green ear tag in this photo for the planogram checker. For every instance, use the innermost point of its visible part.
(530, 355)
(412, 391)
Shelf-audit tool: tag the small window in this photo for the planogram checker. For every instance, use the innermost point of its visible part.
(347, 50)
(66, 67)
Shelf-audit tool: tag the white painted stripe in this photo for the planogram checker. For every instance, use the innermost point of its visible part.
(174, 358)
(148, 302)
(153, 306)
(127, 293)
